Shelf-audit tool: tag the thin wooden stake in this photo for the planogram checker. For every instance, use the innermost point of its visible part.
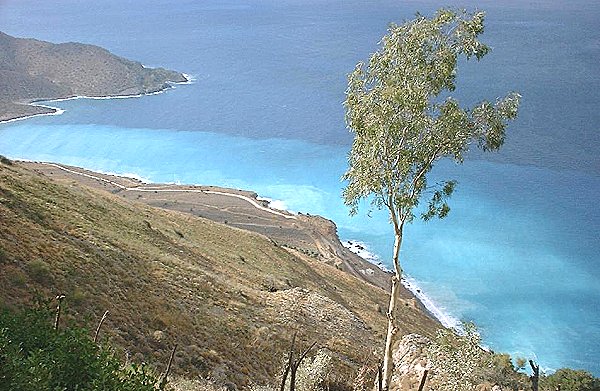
(423, 380)
(163, 381)
(296, 364)
(380, 376)
(100, 325)
(60, 298)
(288, 366)
(535, 377)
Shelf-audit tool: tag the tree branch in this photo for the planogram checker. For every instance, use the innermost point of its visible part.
(419, 175)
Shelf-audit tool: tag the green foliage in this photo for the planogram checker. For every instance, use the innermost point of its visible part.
(5, 160)
(33, 356)
(570, 380)
(438, 207)
(520, 363)
(456, 360)
(39, 271)
(502, 362)
(500, 370)
(402, 126)
(460, 363)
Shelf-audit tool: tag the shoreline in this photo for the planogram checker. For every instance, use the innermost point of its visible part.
(306, 234)
(434, 309)
(58, 111)
(361, 249)
(55, 111)
(161, 188)
(208, 270)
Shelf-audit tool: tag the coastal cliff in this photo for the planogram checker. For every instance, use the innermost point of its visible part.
(230, 298)
(33, 70)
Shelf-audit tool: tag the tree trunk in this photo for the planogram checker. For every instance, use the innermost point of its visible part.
(535, 375)
(293, 378)
(388, 363)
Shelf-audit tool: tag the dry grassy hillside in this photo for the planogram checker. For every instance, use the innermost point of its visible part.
(230, 298)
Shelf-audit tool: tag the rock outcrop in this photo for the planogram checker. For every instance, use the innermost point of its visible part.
(452, 364)
(410, 362)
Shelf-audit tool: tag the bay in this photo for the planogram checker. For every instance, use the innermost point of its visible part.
(518, 253)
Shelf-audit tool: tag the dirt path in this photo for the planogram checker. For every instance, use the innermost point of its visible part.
(164, 188)
(306, 234)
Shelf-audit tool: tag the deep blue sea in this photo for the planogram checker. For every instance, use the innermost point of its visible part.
(519, 253)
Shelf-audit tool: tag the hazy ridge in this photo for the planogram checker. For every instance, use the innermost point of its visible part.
(33, 70)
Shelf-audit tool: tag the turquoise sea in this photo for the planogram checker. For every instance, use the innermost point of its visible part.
(519, 253)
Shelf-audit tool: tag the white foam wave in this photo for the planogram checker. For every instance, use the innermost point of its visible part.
(109, 173)
(129, 175)
(108, 96)
(57, 111)
(115, 174)
(189, 79)
(362, 250)
(435, 309)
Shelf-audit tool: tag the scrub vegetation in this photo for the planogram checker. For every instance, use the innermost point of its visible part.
(231, 299)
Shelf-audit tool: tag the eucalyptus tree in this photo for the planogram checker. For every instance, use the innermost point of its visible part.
(404, 120)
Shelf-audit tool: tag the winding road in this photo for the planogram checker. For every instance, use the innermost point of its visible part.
(252, 201)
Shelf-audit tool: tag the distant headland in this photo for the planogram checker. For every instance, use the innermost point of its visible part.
(32, 70)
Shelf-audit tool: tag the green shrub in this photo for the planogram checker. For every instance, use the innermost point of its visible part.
(570, 380)
(500, 370)
(3, 256)
(39, 271)
(5, 160)
(454, 359)
(34, 356)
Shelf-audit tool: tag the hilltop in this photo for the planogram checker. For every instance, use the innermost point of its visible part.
(229, 297)
(33, 70)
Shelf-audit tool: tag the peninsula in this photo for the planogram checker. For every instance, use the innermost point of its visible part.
(32, 70)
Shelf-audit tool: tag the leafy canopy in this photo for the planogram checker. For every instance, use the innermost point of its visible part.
(34, 356)
(402, 126)
(571, 380)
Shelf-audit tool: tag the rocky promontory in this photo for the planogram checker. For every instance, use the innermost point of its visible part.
(32, 70)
